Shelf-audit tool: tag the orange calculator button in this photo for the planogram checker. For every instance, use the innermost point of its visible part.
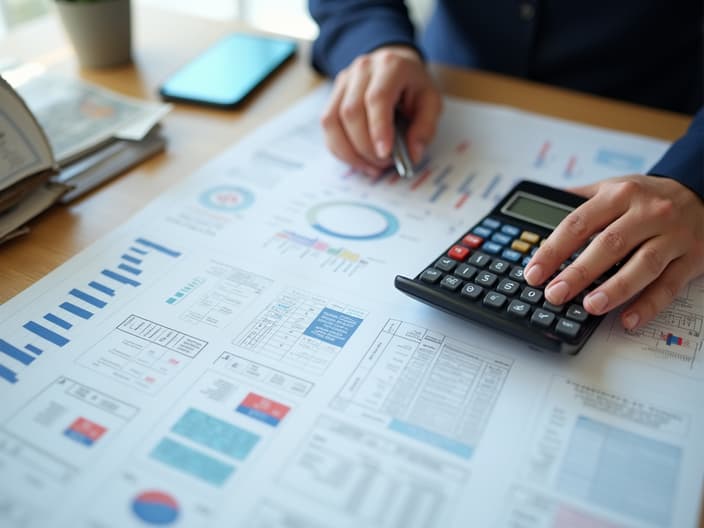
(521, 246)
(529, 237)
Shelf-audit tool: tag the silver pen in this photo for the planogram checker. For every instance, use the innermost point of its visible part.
(400, 154)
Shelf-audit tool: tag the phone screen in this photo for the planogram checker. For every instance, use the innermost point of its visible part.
(225, 73)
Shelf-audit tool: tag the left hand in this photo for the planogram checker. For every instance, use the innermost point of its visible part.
(657, 219)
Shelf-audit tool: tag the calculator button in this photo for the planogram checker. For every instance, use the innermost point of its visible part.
(516, 274)
(491, 223)
(542, 318)
(450, 282)
(494, 300)
(499, 266)
(508, 287)
(465, 271)
(529, 237)
(510, 230)
(484, 278)
(518, 309)
(471, 291)
(431, 275)
(482, 231)
(525, 261)
(509, 254)
(567, 328)
(500, 238)
(533, 251)
(520, 246)
(492, 248)
(472, 241)
(458, 252)
(531, 295)
(479, 260)
(557, 308)
(577, 313)
(445, 264)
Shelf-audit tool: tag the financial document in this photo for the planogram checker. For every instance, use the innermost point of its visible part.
(236, 355)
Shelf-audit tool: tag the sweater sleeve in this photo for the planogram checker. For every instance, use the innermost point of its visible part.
(684, 161)
(349, 28)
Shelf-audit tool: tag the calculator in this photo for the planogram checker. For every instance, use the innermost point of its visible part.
(480, 277)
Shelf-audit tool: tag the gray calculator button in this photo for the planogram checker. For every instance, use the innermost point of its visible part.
(465, 271)
(472, 291)
(516, 274)
(450, 282)
(542, 318)
(577, 313)
(445, 264)
(494, 300)
(499, 267)
(508, 287)
(431, 275)
(557, 308)
(531, 295)
(518, 309)
(567, 328)
(484, 278)
(480, 260)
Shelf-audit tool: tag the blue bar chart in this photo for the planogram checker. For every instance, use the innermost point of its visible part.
(81, 304)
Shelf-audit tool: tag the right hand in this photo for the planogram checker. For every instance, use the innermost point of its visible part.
(358, 121)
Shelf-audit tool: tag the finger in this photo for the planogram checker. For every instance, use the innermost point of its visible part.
(642, 269)
(353, 113)
(335, 136)
(426, 107)
(573, 232)
(585, 190)
(607, 248)
(659, 294)
(382, 96)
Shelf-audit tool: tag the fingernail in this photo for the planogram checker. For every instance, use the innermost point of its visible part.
(631, 321)
(557, 292)
(382, 150)
(597, 301)
(534, 274)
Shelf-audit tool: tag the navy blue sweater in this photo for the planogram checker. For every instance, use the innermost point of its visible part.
(648, 52)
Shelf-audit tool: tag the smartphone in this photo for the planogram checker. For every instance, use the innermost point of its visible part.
(230, 70)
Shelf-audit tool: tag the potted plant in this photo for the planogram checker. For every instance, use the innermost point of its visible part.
(100, 30)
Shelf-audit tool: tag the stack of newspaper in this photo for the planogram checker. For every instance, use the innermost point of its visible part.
(60, 137)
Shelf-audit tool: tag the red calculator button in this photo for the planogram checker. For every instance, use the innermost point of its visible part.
(472, 241)
(458, 252)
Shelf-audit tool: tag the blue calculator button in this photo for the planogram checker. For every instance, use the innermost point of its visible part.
(491, 223)
(510, 230)
(500, 238)
(511, 255)
(482, 231)
(525, 262)
(492, 248)
(533, 251)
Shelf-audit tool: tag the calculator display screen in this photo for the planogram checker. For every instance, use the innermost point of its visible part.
(535, 209)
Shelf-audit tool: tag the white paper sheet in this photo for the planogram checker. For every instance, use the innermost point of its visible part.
(236, 355)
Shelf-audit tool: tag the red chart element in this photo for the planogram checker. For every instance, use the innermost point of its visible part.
(263, 409)
(84, 431)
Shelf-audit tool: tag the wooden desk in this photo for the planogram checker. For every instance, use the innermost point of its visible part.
(163, 42)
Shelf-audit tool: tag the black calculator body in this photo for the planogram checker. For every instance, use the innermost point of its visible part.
(480, 277)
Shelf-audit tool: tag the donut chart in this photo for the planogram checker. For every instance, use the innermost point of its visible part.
(227, 198)
(155, 507)
(351, 220)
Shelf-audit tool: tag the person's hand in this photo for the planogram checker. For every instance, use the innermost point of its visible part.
(658, 220)
(358, 120)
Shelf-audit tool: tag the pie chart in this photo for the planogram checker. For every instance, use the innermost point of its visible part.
(352, 220)
(227, 198)
(155, 507)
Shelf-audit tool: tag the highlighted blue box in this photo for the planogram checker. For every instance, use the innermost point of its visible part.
(192, 462)
(45, 333)
(157, 247)
(76, 310)
(119, 278)
(58, 321)
(216, 434)
(7, 374)
(15, 353)
(86, 297)
(102, 288)
(432, 438)
(331, 326)
(620, 160)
